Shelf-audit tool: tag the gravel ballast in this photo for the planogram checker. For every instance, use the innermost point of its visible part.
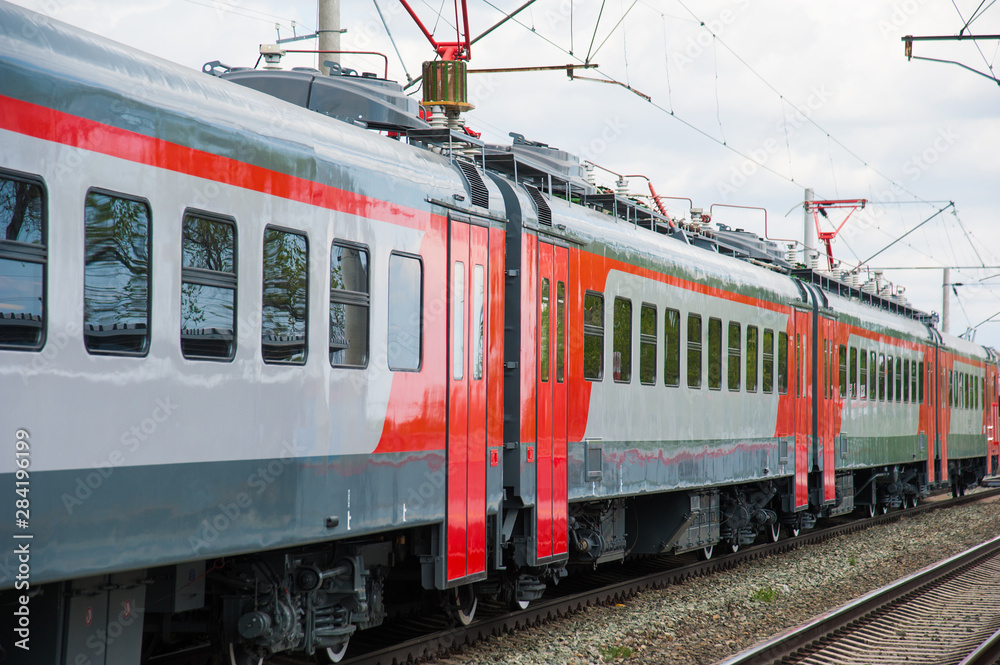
(708, 619)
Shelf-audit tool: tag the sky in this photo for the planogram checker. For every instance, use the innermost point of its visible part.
(748, 104)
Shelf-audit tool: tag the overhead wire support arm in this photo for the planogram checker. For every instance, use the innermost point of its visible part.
(951, 204)
(908, 50)
(461, 48)
(503, 20)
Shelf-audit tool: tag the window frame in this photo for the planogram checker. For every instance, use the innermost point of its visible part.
(16, 250)
(149, 273)
(306, 317)
(622, 376)
(420, 308)
(715, 352)
(354, 299)
(671, 352)
(694, 351)
(594, 331)
(218, 279)
(736, 364)
(647, 340)
(752, 359)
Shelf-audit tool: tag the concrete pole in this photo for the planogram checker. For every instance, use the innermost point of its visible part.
(808, 231)
(945, 299)
(328, 27)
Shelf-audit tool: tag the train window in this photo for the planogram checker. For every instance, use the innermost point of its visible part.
(560, 328)
(852, 365)
(913, 381)
(284, 320)
(873, 376)
(671, 347)
(458, 324)
(23, 257)
(889, 378)
(782, 363)
(920, 384)
(842, 362)
(593, 336)
(752, 359)
(694, 351)
(862, 374)
(899, 378)
(831, 368)
(906, 381)
(715, 354)
(543, 332)
(622, 343)
(208, 287)
(951, 391)
(405, 337)
(798, 365)
(349, 304)
(116, 302)
(647, 344)
(881, 377)
(735, 356)
(479, 322)
(767, 361)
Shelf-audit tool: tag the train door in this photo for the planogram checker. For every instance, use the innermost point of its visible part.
(931, 394)
(827, 397)
(800, 388)
(468, 267)
(550, 467)
(942, 406)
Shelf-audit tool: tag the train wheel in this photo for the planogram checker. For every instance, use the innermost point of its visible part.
(794, 530)
(871, 510)
(883, 508)
(241, 655)
(462, 604)
(705, 553)
(775, 532)
(734, 546)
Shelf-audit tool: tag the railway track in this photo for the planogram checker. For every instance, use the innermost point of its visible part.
(942, 614)
(410, 641)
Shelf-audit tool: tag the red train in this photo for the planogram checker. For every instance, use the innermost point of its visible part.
(271, 376)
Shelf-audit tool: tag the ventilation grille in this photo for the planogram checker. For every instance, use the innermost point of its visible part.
(544, 212)
(477, 188)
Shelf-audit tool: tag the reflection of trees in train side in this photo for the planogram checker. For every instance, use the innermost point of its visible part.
(21, 211)
(208, 245)
(21, 262)
(285, 270)
(348, 306)
(116, 272)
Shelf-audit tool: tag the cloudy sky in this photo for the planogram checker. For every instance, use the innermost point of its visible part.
(750, 103)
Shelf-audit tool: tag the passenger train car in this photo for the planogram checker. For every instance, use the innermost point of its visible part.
(269, 376)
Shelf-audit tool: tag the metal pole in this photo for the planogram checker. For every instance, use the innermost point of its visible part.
(808, 230)
(328, 28)
(945, 299)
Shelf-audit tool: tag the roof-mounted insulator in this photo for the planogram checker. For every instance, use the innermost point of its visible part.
(621, 187)
(272, 54)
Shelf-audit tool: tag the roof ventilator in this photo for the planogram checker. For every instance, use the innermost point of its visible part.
(478, 194)
(544, 213)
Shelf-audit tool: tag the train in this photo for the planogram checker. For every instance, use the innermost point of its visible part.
(280, 358)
